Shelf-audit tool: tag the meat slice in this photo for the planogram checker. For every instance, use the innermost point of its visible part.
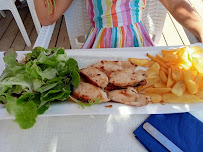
(95, 76)
(128, 96)
(125, 78)
(110, 66)
(87, 92)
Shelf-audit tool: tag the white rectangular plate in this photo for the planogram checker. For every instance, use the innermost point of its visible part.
(88, 57)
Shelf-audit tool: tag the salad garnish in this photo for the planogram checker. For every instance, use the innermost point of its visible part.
(28, 88)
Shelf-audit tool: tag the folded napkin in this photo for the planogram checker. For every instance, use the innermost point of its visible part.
(183, 129)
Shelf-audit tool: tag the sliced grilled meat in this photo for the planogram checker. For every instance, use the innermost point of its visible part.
(128, 96)
(125, 78)
(110, 66)
(87, 92)
(95, 76)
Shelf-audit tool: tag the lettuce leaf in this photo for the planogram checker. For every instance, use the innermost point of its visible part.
(27, 89)
(25, 113)
(12, 66)
(86, 104)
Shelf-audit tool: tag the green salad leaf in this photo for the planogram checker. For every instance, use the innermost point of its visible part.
(12, 66)
(28, 89)
(25, 113)
(86, 104)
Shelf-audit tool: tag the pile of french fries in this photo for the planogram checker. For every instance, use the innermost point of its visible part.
(176, 76)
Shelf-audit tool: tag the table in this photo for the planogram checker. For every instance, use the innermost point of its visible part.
(75, 134)
(81, 133)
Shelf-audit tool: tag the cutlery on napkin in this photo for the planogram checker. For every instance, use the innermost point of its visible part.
(161, 138)
(182, 129)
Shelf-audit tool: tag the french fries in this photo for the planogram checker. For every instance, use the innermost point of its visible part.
(199, 80)
(155, 98)
(149, 63)
(179, 88)
(158, 61)
(153, 71)
(172, 58)
(192, 87)
(161, 58)
(176, 72)
(163, 76)
(158, 90)
(200, 94)
(140, 62)
(176, 76)
(160, 84)
(185, 98)
(170, 81)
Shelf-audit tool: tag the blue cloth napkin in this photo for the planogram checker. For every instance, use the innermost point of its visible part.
(183, 129)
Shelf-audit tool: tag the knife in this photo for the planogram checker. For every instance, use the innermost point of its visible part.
(161, 138)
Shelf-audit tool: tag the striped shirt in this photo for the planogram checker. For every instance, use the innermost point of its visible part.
(116, 23)
(114, 13)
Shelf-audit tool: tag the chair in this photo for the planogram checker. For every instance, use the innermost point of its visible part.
(10, 5)
(78, 24)
(3, 13)
(34, 15)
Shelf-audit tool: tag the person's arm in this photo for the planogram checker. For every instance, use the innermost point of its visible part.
(186, 16)
(42, 11)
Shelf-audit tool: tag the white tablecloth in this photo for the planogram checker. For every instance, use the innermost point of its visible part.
(101, 133)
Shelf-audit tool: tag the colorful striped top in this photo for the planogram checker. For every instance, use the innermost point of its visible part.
(114, 13)
(116, 23)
